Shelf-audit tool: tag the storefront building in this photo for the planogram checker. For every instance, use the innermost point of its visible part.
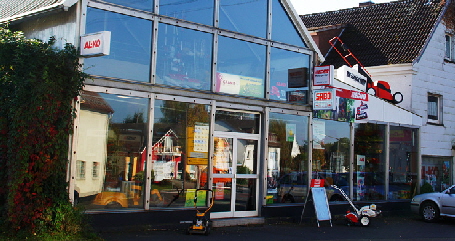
(189, 95)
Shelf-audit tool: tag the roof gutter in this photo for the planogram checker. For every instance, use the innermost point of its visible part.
(62, 5)
(441, 15)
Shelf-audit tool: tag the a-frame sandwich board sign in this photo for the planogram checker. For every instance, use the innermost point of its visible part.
(321, 204)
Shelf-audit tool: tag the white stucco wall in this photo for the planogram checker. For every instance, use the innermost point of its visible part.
(91, 147)
(436, 76)
(429, 74)
(62, 25)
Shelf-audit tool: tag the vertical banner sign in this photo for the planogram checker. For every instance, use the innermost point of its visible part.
(323, 75)
(96, 44)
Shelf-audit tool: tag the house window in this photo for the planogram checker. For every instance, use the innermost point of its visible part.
(95, 170)
(80, 169)
(449, 48)
(434, 109)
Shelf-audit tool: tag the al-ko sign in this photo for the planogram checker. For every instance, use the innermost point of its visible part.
(96, 44)
(324, 99)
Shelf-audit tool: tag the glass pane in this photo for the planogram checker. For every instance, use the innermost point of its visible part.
(229, 121)
(436, 174)
(403, 162)
(111, 157)
(130, 46)
(223, 156)
(289, 75)
(287, 167)
(369, 162)
(245, 195)
(234, 12)
(283, 30)
(247, 156)
(199, 11)
(222, 188)
(180, 152)
(331, 145)
(184, 58)
(241, 68)
(146, 5)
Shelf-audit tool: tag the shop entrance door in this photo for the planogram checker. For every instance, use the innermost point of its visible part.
(235, 174)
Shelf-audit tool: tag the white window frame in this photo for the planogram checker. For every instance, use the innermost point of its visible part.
(80, 169)
(449, 47)
(434, 111)
(95, 170)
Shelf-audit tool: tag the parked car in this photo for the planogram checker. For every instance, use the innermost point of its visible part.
(432, 206)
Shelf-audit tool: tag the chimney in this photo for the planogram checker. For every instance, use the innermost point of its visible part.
(366, 4)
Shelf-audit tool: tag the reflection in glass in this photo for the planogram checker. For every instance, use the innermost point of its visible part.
(436, 174)
(199, 11)
(241, 68)
(129, 56)
(234, 12)
(146, 5)
(369, 162)
(222, 188)
(222, 157)
(184, 58)
(247, 156)
(287, 167)
(229, 121)
(179, 153)
(111, 159)
(283, 30)
(289, 75)
(402, 162)
(331, 148)
(245, 195)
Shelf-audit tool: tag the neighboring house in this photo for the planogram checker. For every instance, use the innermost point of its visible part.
(410, 45)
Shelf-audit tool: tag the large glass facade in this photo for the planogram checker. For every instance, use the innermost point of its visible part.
(112, 135)
(241, 68)
(289, 76)
(146, 5)
(287, 166)
(184, 57)
(129, 56)
(331, 153)
(179, 153)
(369, 162)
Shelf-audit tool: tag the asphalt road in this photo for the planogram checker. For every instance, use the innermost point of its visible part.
(403, 227)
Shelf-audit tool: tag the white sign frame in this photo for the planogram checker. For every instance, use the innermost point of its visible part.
(95, 44)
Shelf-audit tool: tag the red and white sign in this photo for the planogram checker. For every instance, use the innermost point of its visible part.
(352, 94)
(324, 99)
(323, 75)
(96, 44)
(317, 183)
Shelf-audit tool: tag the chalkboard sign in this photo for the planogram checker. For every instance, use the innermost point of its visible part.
(321, 204)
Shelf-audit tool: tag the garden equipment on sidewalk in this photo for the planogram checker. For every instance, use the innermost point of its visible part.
(201, 223)
(359, 216)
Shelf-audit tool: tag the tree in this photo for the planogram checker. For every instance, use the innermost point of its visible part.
(38, 84)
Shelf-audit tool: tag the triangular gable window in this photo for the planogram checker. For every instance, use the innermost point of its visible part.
(283, 30)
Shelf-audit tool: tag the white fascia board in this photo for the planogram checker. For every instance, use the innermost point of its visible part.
(63, 5)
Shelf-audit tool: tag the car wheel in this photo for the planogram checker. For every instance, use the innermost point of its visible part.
(429, 212)
(397, 97)
(365, 221)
